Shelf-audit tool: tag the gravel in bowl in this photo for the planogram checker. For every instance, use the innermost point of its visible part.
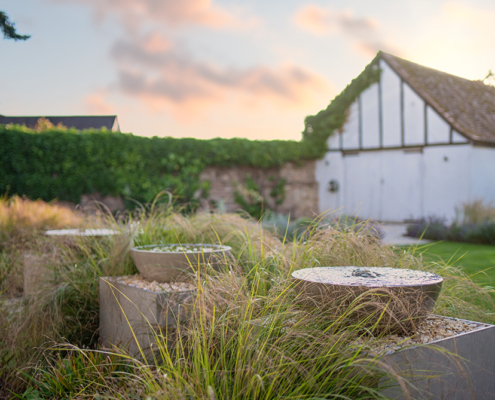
(176, 262)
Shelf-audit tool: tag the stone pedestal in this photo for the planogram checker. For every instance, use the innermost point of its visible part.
(457, 368)
(36, 265)
(35, 272)
(131, 317)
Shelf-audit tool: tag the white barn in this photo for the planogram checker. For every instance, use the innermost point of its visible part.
(418, 142)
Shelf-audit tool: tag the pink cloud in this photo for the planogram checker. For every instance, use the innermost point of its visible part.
(172, 78)
(364, 32)
(155, 43)
(171, 12)
(97, 105)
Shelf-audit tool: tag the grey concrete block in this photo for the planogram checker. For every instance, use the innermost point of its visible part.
(131, 317)
(35, 272)
(456, 368)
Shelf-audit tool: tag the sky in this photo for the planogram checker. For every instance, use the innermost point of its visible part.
(223, 68)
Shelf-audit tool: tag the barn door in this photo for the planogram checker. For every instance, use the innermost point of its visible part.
(401, 186)
(362, 189)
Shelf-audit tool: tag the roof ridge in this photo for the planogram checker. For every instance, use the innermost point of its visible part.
(444, 108)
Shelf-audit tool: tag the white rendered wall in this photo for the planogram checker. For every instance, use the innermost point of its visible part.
(391, 113)
(333, 141)
(362, 179)
(401, 185)
(370, 115)
(447, 179)
(483, 174)
(414, 118)
(438, 130)
(327, 169)
(392, 185)
(351, 128)
(458, 138)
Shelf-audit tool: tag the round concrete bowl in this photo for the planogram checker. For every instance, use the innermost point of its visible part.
(81, 232)
(400, 298)
(175, 266)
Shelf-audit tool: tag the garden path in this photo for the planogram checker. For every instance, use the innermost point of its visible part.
(394, 235)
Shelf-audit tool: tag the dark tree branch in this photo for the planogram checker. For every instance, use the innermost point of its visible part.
(8, 28)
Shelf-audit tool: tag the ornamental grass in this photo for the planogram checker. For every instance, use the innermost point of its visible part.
(21, 217)
(246, 336)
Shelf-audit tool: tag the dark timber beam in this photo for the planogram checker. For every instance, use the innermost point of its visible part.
(380, 110)
(402, 141)
(360, 111)
(426, 121)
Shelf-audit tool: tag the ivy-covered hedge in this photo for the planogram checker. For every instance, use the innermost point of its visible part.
(65, 163)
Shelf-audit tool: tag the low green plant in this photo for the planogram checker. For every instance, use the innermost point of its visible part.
(68, 372)
(249, 197)
(435, 228)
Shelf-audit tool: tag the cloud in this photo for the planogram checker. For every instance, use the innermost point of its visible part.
(168, 76)
(97, 105)
(153, 67)
(172, 12)
(363, 32)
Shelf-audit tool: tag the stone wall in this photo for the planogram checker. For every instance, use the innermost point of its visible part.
(301, 188)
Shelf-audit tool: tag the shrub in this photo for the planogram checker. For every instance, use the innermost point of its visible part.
(435, 228)
(483, 233)
(432, 228)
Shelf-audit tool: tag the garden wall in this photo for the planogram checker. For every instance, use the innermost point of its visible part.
(119, 169)
(300, 197)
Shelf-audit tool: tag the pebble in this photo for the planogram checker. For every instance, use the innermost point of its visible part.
(435, 327)
(181, 249)
(367, 276)
(81, 232)
(153, 286)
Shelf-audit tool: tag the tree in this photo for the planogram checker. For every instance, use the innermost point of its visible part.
(8, 28)
(490, 78)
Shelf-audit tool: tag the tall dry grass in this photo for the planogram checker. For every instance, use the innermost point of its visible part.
(247, 335)
(21, 217)
(477, 212)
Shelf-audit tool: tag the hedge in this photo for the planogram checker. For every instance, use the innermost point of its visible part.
(66, 163)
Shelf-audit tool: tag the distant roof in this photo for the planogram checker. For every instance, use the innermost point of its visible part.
(79, 122)
(468, 106)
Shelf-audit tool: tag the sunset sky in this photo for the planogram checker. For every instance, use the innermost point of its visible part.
(223, 68)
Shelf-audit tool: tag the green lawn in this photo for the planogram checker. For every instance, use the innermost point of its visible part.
(477, 260)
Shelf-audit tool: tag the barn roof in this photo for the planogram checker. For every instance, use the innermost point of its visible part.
(79, 122)
(468, 106)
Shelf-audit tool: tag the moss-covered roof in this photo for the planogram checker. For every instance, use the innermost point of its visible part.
(468, 106)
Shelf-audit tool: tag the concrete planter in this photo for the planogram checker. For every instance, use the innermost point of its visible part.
(459, 367)
(175, 266)
(456, 368)
(35, 265)
(129, 316)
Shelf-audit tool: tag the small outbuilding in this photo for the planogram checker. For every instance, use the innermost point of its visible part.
(80, 122)
(416, 142)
